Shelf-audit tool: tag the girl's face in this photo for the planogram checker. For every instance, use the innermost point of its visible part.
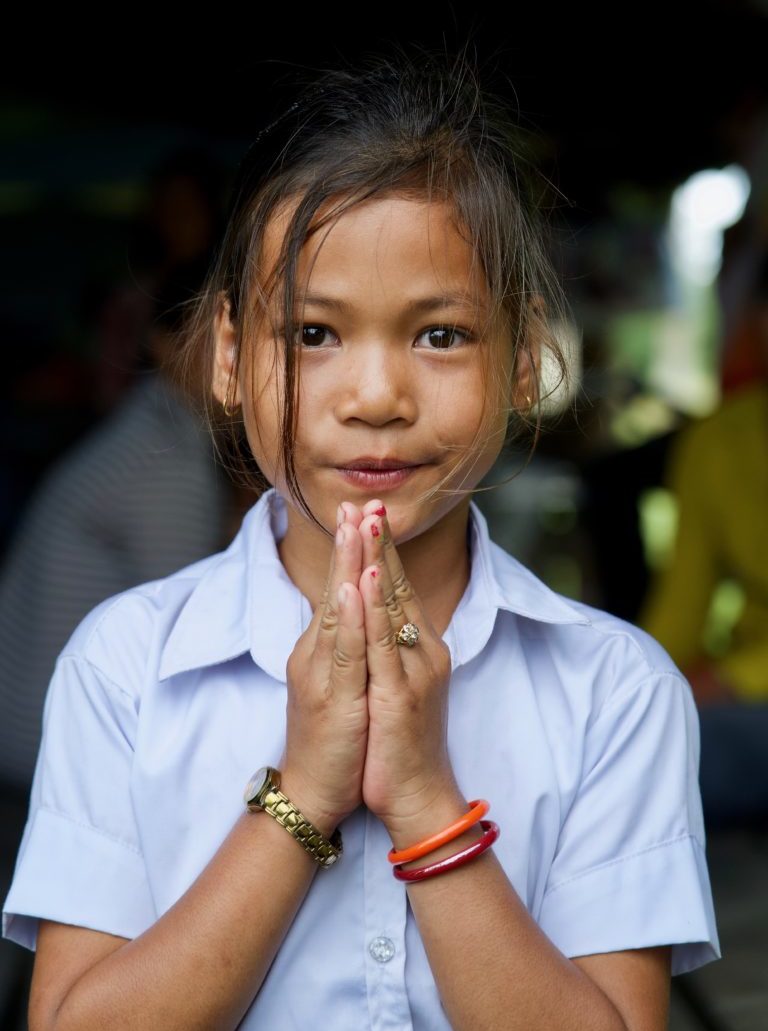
(393, 344)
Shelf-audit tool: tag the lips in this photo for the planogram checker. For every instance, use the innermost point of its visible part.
(378, 464)
(378, 474)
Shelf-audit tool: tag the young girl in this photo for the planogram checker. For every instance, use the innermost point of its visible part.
(475, 802)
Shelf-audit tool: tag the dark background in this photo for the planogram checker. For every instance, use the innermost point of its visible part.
(623, 100)
(618, 97)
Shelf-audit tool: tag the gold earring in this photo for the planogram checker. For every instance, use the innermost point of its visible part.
(229, 412)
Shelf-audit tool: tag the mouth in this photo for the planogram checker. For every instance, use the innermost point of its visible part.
(378, 473)
(378, 464)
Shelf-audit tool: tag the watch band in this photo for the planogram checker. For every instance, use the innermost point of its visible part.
(323, 850)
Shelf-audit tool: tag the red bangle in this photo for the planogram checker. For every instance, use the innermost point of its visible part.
(479, 807)
(451, 862)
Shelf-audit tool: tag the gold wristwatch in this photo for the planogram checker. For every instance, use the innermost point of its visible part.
(262, 793)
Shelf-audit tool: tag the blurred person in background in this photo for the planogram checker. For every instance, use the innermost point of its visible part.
(137, 498)
(718, 473)
(75, 357)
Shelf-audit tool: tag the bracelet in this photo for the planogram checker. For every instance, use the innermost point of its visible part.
(451, 862)
(262, 792)
(478, 808)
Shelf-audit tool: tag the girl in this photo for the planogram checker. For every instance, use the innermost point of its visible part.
(377, 316)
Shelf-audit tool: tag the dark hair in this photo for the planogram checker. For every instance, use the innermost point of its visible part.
(410, 122)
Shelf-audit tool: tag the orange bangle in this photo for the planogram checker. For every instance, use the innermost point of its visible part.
(478, 808)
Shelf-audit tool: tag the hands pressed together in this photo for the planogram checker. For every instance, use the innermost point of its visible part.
(366, 716)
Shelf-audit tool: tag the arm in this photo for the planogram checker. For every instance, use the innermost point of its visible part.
(496, 968)
(202, 963)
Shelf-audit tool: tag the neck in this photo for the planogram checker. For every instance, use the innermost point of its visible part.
(436, 562)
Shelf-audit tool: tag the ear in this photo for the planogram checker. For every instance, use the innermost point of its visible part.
(525, 384)
(224, 386)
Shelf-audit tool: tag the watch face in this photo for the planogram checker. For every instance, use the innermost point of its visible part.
(256, 785)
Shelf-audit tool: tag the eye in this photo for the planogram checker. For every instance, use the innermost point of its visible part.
(444, 338)
(314, 336)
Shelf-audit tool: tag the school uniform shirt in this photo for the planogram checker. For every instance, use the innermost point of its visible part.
(137, 498)
(575, 725)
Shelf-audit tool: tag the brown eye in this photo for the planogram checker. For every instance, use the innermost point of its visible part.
(444, 338)
(314, 336)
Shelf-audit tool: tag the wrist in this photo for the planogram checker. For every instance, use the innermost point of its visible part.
(444, 809)
(457, 844)
(296, 791)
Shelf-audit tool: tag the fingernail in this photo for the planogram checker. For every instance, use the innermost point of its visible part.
(342, 595)
(375, 531)
(341, 515)
(340, 535)
(380, 511)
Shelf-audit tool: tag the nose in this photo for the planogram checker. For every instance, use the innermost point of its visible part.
(377, 386)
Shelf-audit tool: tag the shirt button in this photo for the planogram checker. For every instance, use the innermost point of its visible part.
(382, 949)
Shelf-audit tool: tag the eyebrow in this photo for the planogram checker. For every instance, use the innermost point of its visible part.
(415, 306)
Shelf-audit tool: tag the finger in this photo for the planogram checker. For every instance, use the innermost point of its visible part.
(346, 512)
(371, 535)
(351, 512)
(374, 507)
(349, 669)
(320, 607)
(383, 653)
(409, 600)
(346, 566)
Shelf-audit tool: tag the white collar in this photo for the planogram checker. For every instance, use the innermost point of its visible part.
(245, 601)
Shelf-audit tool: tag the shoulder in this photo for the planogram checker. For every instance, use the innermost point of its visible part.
(590, 654)
(549, 614)
(123, 637)
(608, 632)
(627, 662)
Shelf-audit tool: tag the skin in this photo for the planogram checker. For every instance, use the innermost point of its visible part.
(367, 390)
(373, 383)
(369, 387)
(366, 718)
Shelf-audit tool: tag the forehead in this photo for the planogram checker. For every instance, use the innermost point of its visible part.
(392, 241)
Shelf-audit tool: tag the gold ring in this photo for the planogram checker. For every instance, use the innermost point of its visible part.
(408, 634)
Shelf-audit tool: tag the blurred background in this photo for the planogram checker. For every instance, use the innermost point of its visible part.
(648, 493)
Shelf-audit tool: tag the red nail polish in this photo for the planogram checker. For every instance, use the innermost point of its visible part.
(380, 511)
(374, 573)
(375, 530)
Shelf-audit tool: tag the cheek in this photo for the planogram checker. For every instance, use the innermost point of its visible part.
(263, 420)
(263, 440)
(472, 424)
(464, 406)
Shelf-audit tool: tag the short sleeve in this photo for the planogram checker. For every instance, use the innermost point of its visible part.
(79, 860)
(630, 867)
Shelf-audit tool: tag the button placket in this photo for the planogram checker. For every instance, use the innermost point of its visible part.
(384, 941)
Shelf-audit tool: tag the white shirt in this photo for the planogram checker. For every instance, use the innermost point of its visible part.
(136, 498)
(575, 725)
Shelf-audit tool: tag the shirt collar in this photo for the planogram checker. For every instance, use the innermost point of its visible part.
(246, 602)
